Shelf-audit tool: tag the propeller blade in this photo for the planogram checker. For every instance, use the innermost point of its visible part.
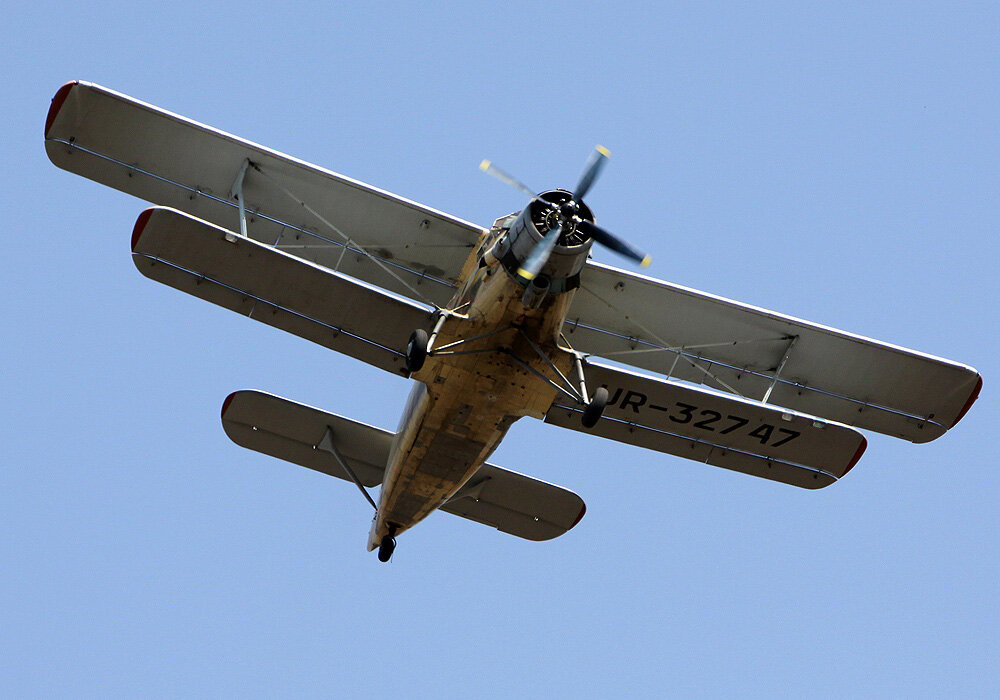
(540, 255)
(591, 171)
(488, 167)
(608, 240)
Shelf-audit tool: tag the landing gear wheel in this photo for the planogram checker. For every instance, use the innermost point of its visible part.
(386, 548)
(416, 350)
(592, 412)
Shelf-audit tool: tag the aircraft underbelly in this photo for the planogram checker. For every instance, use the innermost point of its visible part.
(464, 404)
(446, 440)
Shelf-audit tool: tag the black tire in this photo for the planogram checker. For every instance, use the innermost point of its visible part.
(593, 411)
(416, 350)
(386, 548)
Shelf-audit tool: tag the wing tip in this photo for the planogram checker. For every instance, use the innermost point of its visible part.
(57, 102)
(225, 404)
(968, 404)
(140, 226)
(857, 456)
(583, 511)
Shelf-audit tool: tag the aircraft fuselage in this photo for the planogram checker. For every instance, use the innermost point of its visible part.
(463, 404)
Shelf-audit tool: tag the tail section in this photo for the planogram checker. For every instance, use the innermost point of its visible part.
(510, 502)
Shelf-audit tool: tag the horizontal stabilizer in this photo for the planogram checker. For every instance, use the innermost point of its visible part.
(510, 502)
(717, 429)
(276, 288)
(293, 432)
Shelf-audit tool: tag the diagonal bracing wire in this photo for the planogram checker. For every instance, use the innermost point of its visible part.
(347, 239)
(666, 345)
(703, 346)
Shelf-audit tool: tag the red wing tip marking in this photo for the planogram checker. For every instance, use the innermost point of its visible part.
(583, 511)
(57, 103)
(225, 404)
(140, 225)
(857, 456)
(968, 404)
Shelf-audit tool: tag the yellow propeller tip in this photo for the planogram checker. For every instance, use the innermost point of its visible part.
(485, 165)
(525, 274)
(646, 261)
(603, 151)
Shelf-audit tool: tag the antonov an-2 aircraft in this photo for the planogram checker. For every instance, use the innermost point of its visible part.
(492, 324)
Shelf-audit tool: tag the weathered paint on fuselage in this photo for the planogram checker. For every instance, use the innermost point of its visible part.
(464, 404)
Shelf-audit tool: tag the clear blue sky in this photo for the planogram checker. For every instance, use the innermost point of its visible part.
(839, 162)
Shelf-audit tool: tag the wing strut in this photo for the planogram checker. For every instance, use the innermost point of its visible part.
(668, 346)
(781, 366)
(326, 444)
(347, 239)
(237, 193)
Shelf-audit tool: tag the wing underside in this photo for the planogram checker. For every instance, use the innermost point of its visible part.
(315, 214)
(276, 288)
(718, 429)
(760, 355)
(338, 224)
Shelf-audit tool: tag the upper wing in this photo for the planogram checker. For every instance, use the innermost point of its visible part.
(276, 288)
(697, 337)
(511, 502)
(716, 428)
(298, 207)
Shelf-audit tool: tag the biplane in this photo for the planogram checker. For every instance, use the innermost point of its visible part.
(492, 324)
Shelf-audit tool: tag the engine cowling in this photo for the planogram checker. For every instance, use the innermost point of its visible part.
(562, 269)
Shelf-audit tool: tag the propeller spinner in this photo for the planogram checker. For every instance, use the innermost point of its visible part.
(566, 215)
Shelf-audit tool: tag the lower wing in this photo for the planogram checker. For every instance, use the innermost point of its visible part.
(276, 288)
(716, 428)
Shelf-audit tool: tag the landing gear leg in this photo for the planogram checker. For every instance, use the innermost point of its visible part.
(593, 409)
(387, 546)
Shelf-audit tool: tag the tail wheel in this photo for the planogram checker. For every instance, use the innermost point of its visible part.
(416, 350)
(593, 411)
(386, 548)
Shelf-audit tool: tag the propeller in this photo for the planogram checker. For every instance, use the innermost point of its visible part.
(536, 261)
(487, 167)
(567, 216)
(591, 170)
